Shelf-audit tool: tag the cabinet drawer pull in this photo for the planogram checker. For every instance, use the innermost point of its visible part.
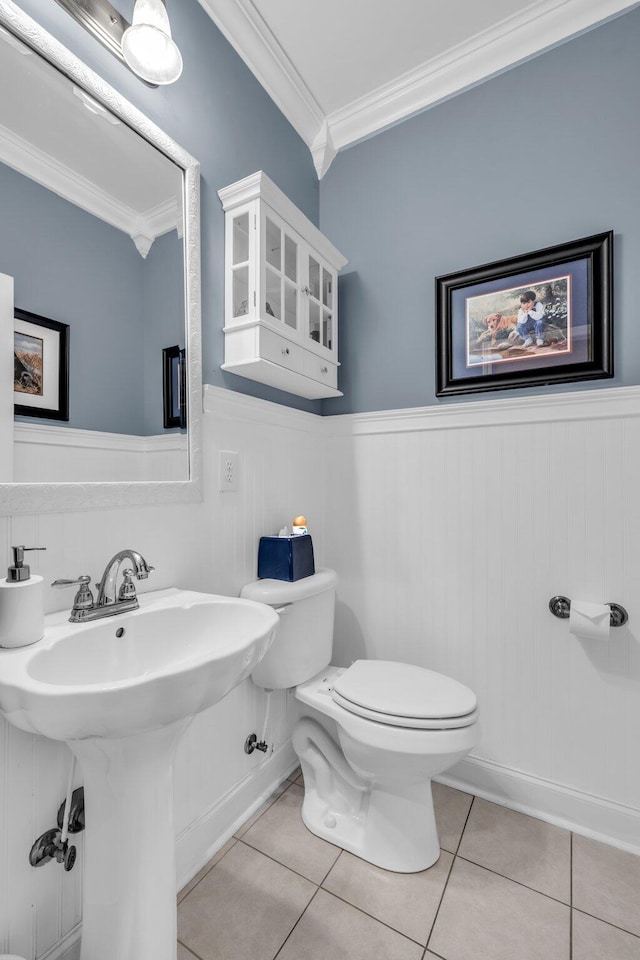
(324, 369)
(285, 351)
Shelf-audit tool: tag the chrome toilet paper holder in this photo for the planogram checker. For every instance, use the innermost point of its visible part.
(561, 607)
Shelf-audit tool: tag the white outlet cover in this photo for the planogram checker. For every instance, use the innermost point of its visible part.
(227, 471)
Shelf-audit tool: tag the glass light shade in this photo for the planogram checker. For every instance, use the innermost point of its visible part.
(147, 46)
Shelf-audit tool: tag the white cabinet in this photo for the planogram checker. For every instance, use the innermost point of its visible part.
(281, 292)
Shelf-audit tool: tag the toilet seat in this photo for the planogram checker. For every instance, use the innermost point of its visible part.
(404, 695)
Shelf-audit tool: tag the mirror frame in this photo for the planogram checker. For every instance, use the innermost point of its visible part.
(34, 498)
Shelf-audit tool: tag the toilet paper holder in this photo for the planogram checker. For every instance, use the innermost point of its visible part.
(561, 607)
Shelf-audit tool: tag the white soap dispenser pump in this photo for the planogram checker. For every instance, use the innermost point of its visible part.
(21, 603)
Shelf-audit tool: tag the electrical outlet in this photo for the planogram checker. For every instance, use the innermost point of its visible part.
(228, 471)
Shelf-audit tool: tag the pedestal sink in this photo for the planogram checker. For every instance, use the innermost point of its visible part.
(121, 692)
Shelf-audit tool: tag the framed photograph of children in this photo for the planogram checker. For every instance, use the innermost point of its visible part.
(540, 318)
(40, 367)
(173, 388)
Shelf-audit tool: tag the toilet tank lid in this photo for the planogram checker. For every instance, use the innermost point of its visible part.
(275, 592)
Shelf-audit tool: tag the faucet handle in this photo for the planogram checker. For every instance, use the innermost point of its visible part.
(127, 589)
(84, 598)
(84, 579)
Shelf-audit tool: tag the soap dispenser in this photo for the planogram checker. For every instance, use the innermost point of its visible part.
(21, 603)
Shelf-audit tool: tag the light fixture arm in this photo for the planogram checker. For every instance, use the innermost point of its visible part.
(101, 20)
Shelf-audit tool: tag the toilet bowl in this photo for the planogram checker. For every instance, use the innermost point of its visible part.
(371, 736)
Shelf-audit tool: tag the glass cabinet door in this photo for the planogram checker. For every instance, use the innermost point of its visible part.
(321, 291)
(281, 274)
(240, 265)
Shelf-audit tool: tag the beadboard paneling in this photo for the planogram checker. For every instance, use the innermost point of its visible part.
(452, 529)
(212, 547)
(47, 454)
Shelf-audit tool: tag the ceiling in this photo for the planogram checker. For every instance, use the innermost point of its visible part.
(54, 133)
(342, 70)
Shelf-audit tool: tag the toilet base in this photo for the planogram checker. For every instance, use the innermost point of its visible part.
(393, 832)
(390, 825)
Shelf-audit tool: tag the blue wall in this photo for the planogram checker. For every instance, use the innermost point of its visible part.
(543, 154)
(122, 310)
(219, 112)
(64, 262)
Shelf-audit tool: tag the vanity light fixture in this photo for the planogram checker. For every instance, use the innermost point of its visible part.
(145, 46)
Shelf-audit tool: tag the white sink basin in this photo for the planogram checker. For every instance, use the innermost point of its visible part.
(178, 654)
(122, 703)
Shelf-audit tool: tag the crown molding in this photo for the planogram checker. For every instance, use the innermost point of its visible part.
(253, 41)
(515, 39)
(512, 41)
(38, 165)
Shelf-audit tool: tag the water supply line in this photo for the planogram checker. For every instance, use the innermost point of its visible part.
(252, 743)
(67, 806)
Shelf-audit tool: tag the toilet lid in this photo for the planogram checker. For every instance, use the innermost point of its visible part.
(404, 695)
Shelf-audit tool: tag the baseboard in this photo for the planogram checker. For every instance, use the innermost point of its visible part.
(583, 813)
(68, 948)
(201, 839)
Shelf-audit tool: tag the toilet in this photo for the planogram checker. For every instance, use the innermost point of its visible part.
(370, 736)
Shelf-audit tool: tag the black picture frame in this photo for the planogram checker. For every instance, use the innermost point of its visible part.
(174, 398)
(572, 282)
(40, 366)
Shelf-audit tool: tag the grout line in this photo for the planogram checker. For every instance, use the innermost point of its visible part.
(466, 821)
(180, 899)
(268, 803)
(192, 952)
(281, 947)
(341, 849)
(444, 890)
(607, 922)
(511, 880)
(274, 860)
(446, 883)
(371, 917)
(330, 892)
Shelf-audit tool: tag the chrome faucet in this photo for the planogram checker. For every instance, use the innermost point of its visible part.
(107, 602)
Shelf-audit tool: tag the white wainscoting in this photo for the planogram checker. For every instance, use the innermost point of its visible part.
(210, 546)
(48, 454)
(451, 529)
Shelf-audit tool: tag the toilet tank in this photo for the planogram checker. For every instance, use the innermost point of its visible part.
(304, 639)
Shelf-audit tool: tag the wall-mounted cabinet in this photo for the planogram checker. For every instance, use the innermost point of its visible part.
(281, 292)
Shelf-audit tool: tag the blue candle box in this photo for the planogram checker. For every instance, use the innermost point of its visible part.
(286, 558)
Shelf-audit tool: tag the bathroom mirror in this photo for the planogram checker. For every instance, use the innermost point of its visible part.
(99, 243)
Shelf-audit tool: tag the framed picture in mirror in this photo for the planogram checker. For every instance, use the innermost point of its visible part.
(173, 387)
(40, 366)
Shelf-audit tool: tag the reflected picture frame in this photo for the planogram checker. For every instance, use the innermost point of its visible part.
(40, 367)
(532, 320)
(173, 388)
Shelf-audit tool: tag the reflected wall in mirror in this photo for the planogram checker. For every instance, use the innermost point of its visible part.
(93, 234)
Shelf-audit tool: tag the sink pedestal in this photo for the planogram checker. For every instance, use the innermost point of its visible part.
(129, 883)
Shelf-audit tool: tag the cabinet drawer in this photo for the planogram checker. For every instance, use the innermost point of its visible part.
(278, 350)
(319, 369)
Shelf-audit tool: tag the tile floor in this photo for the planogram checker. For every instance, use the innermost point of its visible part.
(506, 887)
